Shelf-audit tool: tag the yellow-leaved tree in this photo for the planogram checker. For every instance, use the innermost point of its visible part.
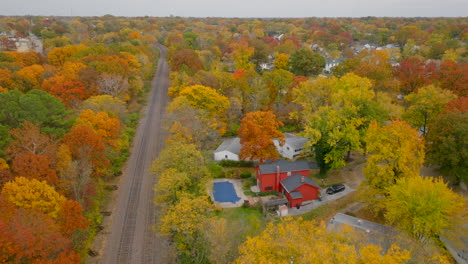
(395, 151)
(423, 207)
(171, 183)
(33, 194)
(184, 221)
(208, 99)
(298, 241)
(282, 61)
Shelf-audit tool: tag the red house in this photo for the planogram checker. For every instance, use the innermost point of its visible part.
(270, 175)
(299, 188)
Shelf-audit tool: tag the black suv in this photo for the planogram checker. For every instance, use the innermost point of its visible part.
(335, 188)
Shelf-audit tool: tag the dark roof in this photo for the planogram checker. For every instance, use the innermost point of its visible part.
(291, 183)
(284, 166)
(296, 142)
(313, 166)
(296, 195)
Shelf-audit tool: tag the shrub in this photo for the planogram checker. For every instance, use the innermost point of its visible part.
(231, 174)
(216, 170)
(234, 163)
(245, 174)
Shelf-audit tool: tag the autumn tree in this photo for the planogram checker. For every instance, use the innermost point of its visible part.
(114, 85)
(106, 103)
(182, 157)
(242, 53)
(105, 126)
(454, 77)
(314, 94)
(375, 66)
(209, 100)
(33, 237)
(189, 125)
(183, 222)
(171, 183)
(278, 82)
(282, 61)
(306, 62)
(425, 105)
(187, 58)
(423, 207)
(278, 243)
(70, 218)
(395, 151)
(74, 174)
(32, 153)
(70, 92)
(29, 77)
(6, 80)
(447, 144)
(58, 56)
(222, 247)
(257, 132)
(414, 73)
(33, 194)
(5, 172)
(88, 148)
(30, 139)
(34, 166)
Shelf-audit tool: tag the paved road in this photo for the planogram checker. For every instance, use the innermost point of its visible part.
(130, 239)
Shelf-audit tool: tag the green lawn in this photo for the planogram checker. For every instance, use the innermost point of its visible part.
(243, 221)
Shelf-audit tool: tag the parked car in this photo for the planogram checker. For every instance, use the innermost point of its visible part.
(335, 188)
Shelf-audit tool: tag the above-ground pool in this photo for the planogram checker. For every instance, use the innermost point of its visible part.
(224, 192)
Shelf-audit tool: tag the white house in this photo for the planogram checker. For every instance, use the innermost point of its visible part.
(292, 147)
(330, 63)
(228, 150)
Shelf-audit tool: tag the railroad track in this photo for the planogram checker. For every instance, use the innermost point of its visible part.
(131, 239)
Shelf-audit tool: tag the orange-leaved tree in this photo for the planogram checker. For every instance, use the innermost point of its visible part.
(104, 125)
(71, 217)
(32, 153)
(87, 146)
(257, 132)
(69, 91)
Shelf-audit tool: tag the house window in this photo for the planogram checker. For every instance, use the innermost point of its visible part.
(287, 148)
(269, 188)
(225, 156)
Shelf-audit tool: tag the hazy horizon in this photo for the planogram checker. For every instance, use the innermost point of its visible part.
(239, 8)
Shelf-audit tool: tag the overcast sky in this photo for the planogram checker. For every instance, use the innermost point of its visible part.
(237, 8)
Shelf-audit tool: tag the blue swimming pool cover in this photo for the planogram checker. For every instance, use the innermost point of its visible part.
(224, 192)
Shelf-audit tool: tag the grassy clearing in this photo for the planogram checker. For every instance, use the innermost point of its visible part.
(241, 214)
(327, 211)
